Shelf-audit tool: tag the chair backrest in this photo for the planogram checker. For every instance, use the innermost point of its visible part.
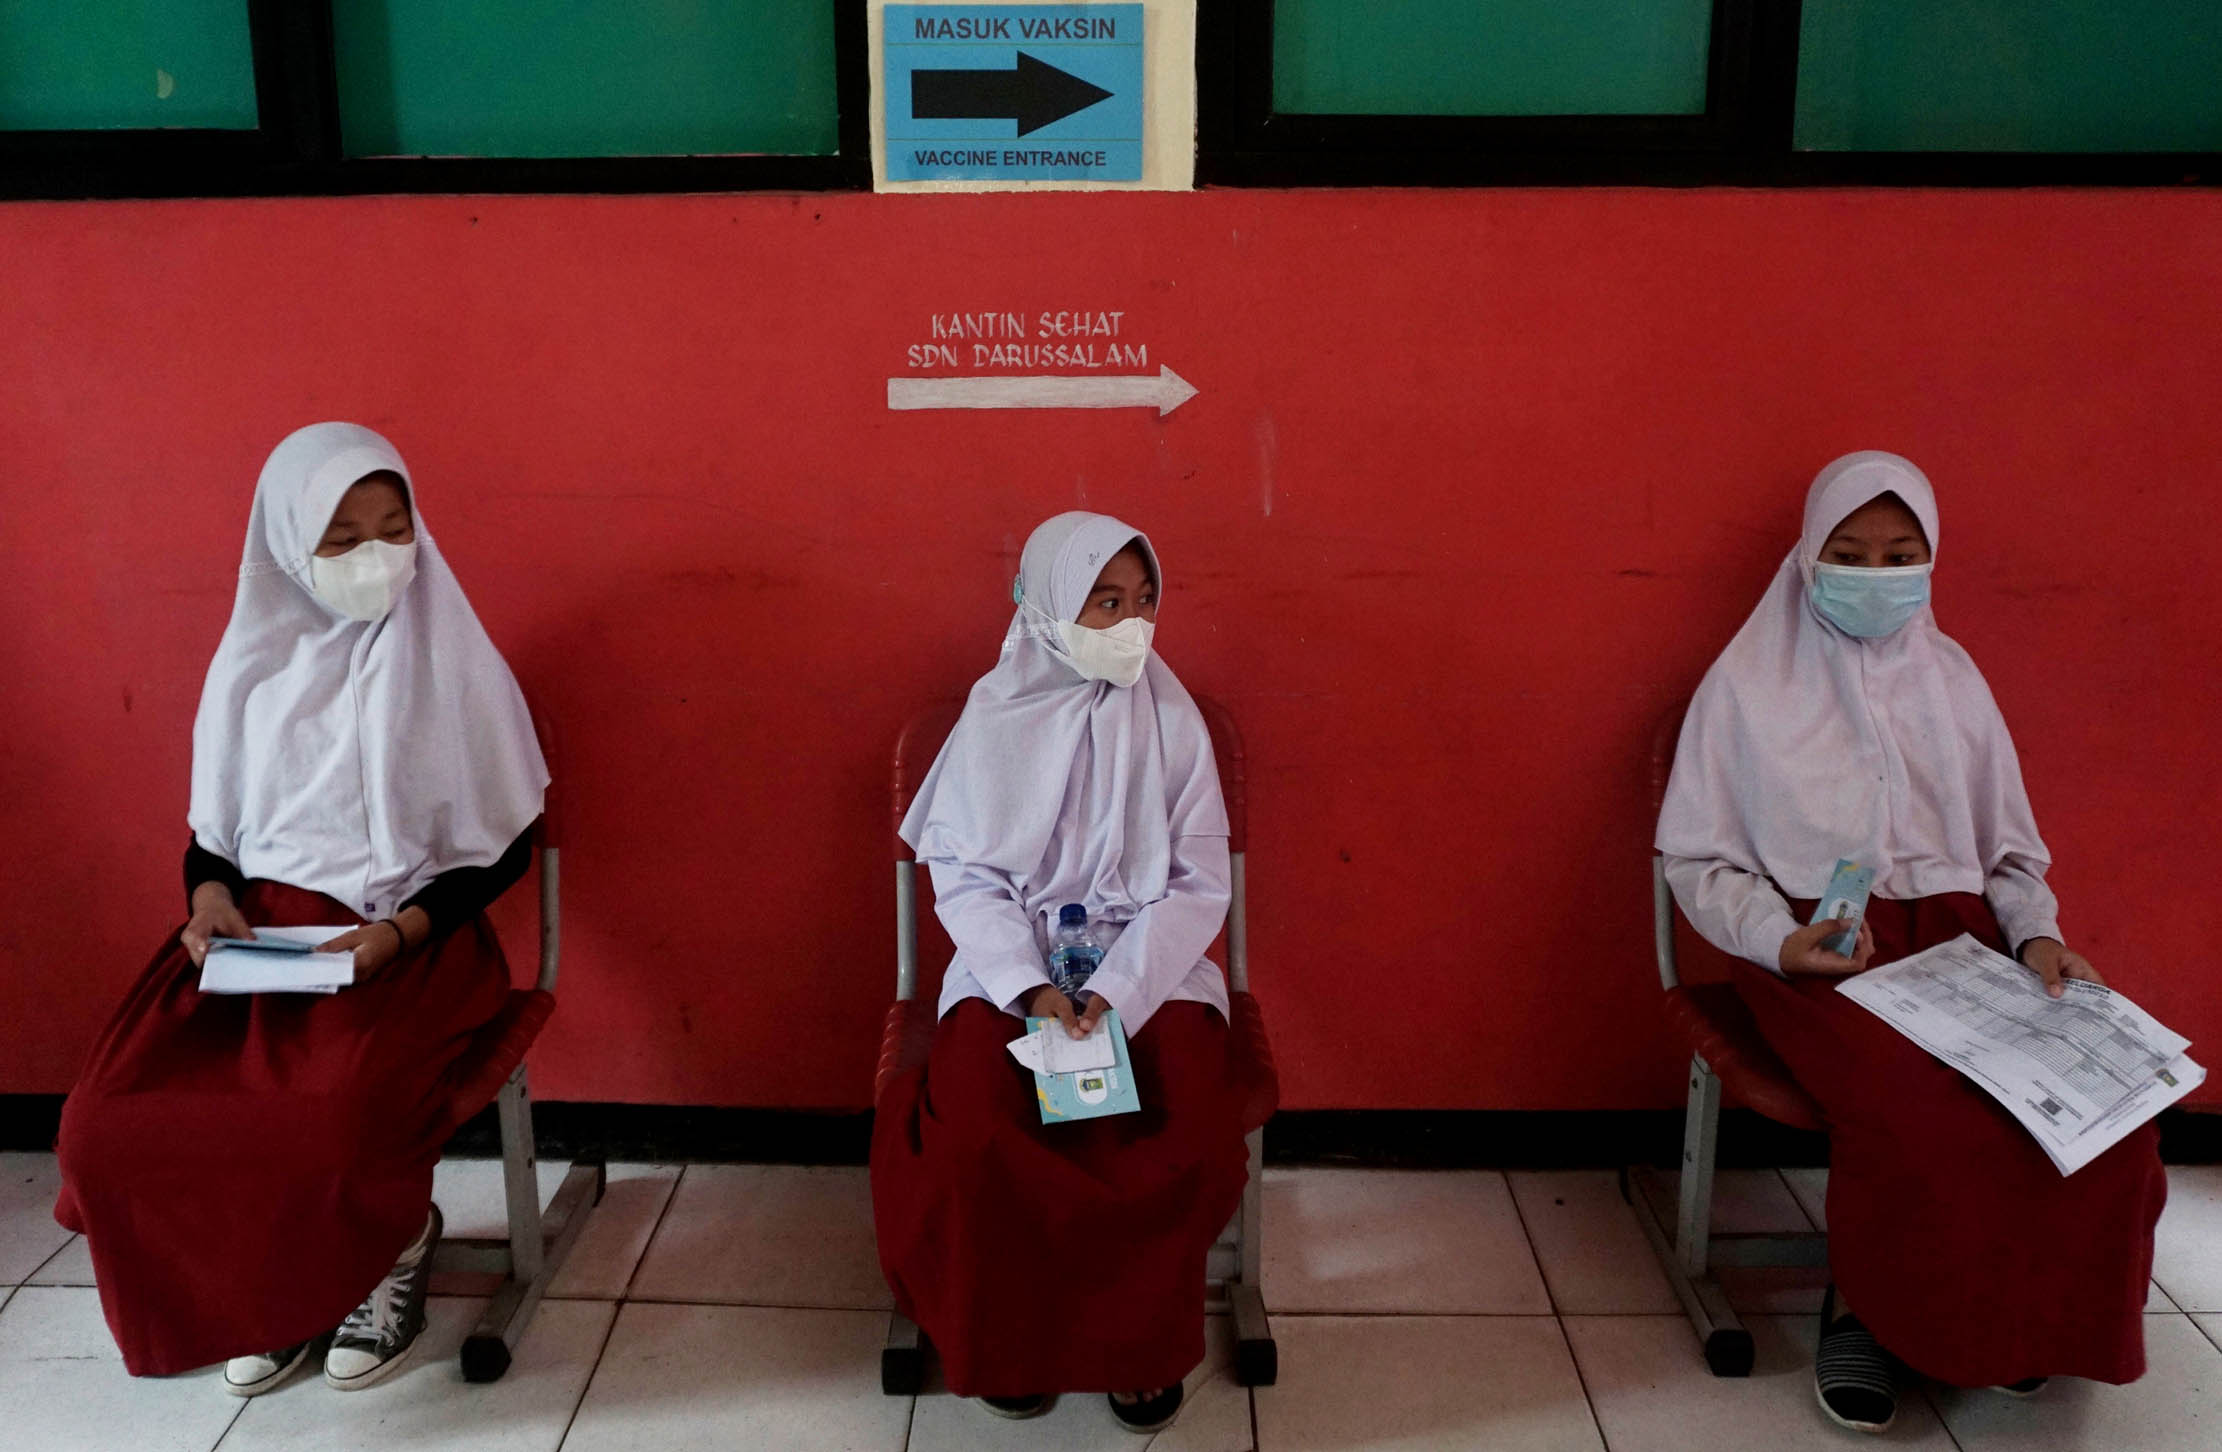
(920, 742)
(1666, 918)
(915, 749)
(547, 834)
(1663, 742)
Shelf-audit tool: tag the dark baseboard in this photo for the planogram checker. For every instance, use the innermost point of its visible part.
(673, 1132)
(1389, 1138)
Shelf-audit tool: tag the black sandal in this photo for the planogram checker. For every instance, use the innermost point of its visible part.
(1150, 1413)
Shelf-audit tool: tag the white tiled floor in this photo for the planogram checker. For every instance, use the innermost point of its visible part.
(724, 1306)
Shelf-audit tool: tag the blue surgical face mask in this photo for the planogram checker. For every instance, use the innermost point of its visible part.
(1870, 603)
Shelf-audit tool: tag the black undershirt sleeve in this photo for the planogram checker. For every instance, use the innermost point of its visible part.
(449, 900)
(462, 893)
(202, 865)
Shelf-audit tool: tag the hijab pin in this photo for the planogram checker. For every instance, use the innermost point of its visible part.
(1018, 590)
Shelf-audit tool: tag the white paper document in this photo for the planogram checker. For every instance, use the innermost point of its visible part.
(2079, 1071)
(1050, 1050)
(245, 970)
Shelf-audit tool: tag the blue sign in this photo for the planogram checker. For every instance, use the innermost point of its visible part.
(1013, 92)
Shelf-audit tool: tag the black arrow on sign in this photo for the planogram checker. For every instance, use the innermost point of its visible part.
(1033, 95)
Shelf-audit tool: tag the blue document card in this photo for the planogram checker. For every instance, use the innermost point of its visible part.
(1846, 898)
(1084, 1093)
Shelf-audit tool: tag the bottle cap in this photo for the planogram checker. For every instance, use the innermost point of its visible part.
(1071, 913)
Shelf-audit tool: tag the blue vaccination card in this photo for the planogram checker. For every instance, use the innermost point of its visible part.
(1107, 1087)
(265, 945)
(1846, 898)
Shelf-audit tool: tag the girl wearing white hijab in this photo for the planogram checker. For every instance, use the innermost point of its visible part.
(1842, 723)
(254, 1172)
(1080, 772)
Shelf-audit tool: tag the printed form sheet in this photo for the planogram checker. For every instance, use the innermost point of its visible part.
(2079, 1071)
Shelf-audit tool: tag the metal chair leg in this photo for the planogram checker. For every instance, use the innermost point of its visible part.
(1683, 1255)
(1257, 1361)
(903, 1358)
(1700, 1144)
(538, 1240)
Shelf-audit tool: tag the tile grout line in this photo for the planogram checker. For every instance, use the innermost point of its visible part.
(608, 1332)
(1797, 1200)
(749, 1305)
(617, 1306)
(1928, 1395)
(52, 1256)
(625, 1293)
(223, 1436)
(1527, 1236)
(1566, 1339)
(1558, 1319)
(2196, 1325)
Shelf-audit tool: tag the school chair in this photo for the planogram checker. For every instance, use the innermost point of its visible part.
(1729, 1063)
(528, 1257)
(1233, 1270)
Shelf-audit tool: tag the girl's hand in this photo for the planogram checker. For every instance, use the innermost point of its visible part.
(215, 915)
(1049, 1001)
(2053, 961)
(1093, 1005)
(1803, 955)
(373, 944)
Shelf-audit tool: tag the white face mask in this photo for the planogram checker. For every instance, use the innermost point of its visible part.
(364, 583)
(1116, 655)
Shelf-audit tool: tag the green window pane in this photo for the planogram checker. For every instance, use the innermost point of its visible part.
(2010, 75)
(80, 65)
(585, 78)
(1491, 57)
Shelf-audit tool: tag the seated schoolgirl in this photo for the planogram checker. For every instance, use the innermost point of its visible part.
(1069, 1257)
(1842, 723)
(253, 1173)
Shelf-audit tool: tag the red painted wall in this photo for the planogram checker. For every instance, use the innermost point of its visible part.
(1476, 485)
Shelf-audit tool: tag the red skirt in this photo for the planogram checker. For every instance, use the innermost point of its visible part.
(1951, 1235)
(246, 1167)
(1058, 1258)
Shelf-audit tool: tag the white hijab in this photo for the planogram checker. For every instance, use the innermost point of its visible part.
(1804, 744)
(1073, 788)
(355, 759)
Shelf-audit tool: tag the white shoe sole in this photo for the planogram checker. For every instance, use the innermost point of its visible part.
(1026, 1416)
(377, 1373)
(1872, 1429)
(275, 1379)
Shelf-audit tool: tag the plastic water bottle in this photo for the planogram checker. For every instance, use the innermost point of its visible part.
(1075, 956)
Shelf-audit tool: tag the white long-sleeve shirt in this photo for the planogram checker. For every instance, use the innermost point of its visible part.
(1740, 912)
(1151, 958)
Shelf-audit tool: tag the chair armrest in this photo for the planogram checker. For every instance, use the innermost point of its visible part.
(905, 1041)
(1253, 1066)
(497, 1049)
(1714, 1022)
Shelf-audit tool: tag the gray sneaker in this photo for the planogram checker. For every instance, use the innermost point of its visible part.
(375, 1340)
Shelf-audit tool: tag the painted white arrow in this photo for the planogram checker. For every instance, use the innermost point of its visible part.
(1166, 392)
